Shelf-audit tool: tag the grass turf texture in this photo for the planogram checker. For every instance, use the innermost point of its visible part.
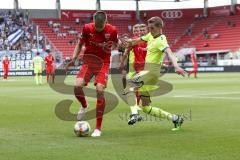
(29, 128)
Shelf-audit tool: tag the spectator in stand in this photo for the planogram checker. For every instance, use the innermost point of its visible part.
(129, 28)
(175, 41)
(6, 44)
(56, 25)
(213, 60)
(64, 35)
(205, 33)
(214, 36)
(27, 15)
(1, 44)
(70, 42)
(205, 45)
(230, 55)
(48, 48)
(231, 23)
(66, 27)
(196, 16)
(77, 21)
(83, 22)
(55, 30)
(59, 35)
(189, 30)
(50, 23)
(72, 32)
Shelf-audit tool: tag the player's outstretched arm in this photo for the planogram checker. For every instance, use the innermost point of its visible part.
(132, 42)
(173, 59)
(123, 58)
(77, 50)
(76, 53)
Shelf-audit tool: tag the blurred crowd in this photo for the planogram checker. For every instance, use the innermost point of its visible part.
(10, 23)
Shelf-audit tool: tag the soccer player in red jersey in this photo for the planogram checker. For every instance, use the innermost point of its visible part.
(98, 38)
(123, 67)
(137, 54)
(50, 69)
(195, 66)
(6, 63)
(140, 50)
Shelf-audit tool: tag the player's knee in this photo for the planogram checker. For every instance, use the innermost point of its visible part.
(78, 91)
(79, 82)
(100, 90)
(124, 74)
(146, 109)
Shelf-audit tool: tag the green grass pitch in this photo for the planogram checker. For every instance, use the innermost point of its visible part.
(29, 129)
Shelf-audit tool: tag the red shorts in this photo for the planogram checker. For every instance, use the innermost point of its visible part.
(5, 70)
(87, 71)
(195, 68)
(50, 70)
(139, 67)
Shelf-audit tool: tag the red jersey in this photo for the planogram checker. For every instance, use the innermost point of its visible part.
(98, 43)
(140, 52)
(49, 60)
(194, 60)
(6, 63)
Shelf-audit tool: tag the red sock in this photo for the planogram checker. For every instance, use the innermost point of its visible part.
(53, 78)
(138, 98)
(47, 77)
(191, 72)
(195, 74)
(124, 81)
(79, 94)
(100, 112)
(5, 76)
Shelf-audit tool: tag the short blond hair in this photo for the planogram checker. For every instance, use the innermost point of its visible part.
(156, 21)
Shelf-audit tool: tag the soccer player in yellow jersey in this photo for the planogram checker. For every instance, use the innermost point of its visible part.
(146, 80)
(38, 68)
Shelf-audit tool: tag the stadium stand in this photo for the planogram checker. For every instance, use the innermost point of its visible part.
(17, 33)
(60, 33)
(223, 34)
(202, 33)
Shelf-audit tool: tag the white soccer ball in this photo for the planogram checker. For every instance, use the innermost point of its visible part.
(82, 128)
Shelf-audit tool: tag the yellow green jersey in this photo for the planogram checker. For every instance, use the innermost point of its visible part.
(155, 48)
(38, 63)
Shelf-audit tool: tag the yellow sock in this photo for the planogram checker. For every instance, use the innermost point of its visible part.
(36, 79)
(40, 79)
(157, 112)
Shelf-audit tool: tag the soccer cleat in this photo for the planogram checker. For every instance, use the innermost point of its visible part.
(177, 123)
(96, 133)
(134, 118)
(81, 113)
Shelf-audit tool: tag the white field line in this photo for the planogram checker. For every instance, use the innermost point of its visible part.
(230, 98)
(208, 96)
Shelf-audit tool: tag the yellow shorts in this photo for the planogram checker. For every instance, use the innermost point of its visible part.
(37, 70)
(150, 81)
(144, 82)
